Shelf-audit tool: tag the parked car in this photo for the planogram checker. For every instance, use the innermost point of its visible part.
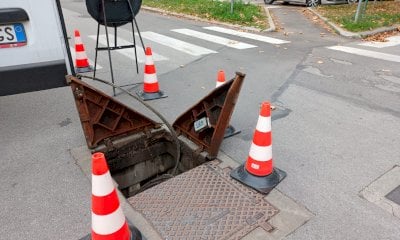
(311, 3)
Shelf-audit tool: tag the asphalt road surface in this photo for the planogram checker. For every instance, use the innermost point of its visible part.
(335, 131)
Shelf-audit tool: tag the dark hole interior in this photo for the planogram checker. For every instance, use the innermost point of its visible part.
(149, 160)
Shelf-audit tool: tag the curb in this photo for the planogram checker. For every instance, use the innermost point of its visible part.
(190, 17)
(348, 34)
(271, 23)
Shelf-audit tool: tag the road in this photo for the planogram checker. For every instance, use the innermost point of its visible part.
(336, 129)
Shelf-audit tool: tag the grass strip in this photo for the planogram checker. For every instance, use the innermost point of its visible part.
(378, 14)
(245, 14)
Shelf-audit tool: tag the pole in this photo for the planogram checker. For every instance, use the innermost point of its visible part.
(232, 1)
(358, 11)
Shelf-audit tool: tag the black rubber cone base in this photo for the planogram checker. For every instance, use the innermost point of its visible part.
(230, 131)
(151, 96)
(135, 234)
(84, 69)
(262, 184)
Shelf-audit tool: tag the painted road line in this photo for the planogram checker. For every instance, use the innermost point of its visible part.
(367, 53)
(215, 39)
(128, 52)
(247, 35)
(91, 63)
(391, 42)
(176, 44)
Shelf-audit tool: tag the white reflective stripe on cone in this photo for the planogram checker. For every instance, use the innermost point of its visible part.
(149, 60)
(150, 78)
(259, 153)
(81, 55)
(219, 84)
(78, 40)
(102, 185)
(107, 224)
(264, 124)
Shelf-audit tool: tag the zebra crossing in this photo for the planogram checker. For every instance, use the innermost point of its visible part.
(216, 39)
(183, 47)
(127, 52)
(393, 41)
(367, 53)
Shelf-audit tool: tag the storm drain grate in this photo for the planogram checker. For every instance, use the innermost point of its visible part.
(204, 203)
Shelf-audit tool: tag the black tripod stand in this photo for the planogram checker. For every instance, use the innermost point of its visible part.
(115, 13)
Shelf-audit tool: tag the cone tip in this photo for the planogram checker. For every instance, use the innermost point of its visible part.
(148, 51)
(77, 33)
(99, 164)
(265, 109)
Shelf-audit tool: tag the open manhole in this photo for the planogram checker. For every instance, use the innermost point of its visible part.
(142, 153)
(200, 201)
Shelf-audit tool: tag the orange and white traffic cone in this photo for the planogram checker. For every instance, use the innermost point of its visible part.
(258, 172)
(220, 78)
(81, 59)
(151, 90)
(230, 130)
(108, 220)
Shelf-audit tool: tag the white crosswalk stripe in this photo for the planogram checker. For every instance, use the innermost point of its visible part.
(367, 53)
(247, 35)
(391, 42)
(128, 52)
(215, 39)
(176, 44)
(73, 56)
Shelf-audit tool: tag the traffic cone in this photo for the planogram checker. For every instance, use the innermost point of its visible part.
(151, 90)
(230, 130)
(258, 171)
(108, 220)
(81, 59)
(220, 78)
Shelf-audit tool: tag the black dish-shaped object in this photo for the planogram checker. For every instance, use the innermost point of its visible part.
(118, 12)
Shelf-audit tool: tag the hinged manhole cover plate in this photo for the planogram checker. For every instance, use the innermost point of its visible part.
(203, 203)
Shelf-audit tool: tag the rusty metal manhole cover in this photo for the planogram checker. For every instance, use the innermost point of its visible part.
(203, 203)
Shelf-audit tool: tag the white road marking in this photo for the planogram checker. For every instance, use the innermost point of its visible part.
(177, 44)
(215, 39)
(367, 53)
(91, 63)
(247, 35)
(391, 42)
(128, 52)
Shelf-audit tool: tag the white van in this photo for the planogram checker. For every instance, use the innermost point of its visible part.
(33, 50)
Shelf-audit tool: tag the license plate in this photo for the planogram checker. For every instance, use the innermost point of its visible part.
(12, 35)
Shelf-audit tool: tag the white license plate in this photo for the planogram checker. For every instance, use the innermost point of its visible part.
(12, 35)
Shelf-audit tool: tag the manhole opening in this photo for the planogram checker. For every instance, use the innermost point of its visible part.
(148, 160)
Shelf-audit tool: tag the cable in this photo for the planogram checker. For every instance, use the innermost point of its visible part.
(171, 129)
(153, 183)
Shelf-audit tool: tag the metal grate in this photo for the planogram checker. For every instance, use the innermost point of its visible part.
(204, 203)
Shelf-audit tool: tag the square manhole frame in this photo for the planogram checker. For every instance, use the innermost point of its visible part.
(377, 191)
